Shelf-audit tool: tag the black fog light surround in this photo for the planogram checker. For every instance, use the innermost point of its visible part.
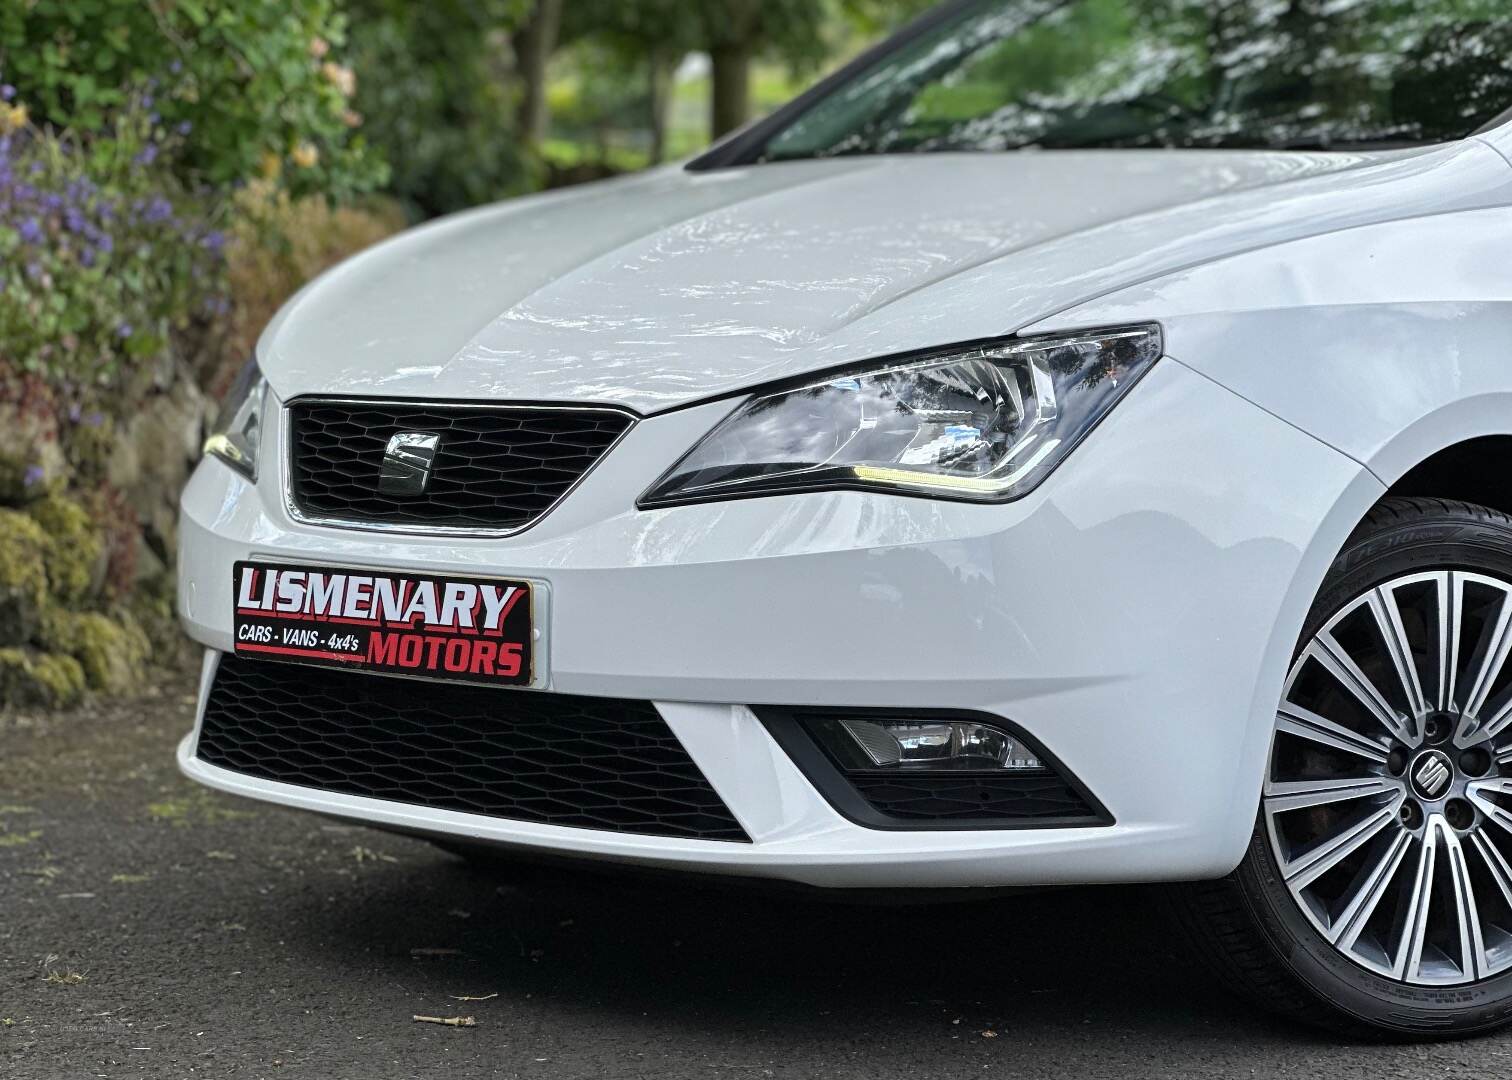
(927, 769)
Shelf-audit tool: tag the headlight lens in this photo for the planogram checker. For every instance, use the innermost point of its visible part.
(980, 422)
(239, 427)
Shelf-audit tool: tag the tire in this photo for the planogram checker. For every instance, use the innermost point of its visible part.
(1337, 944)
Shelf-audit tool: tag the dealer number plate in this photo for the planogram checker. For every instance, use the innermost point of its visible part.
(468, 629)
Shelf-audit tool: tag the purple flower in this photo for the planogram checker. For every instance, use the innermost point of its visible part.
(148, 154)
(87, 256)
(184, 127)
(31, 231)
(148, 99)
(94, 419)
(73, 220)
(105, 243)
(214, 241)
(123, 330)
(34, 475)
(73, 413)
(176, 67)
(158, 210)
(34, 271)
(7, 92)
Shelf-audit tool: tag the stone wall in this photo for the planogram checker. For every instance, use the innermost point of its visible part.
(88, 520)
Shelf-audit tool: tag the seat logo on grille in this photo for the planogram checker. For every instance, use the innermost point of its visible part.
(407, 463)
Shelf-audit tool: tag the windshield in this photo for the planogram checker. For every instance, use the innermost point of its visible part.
(1263, 74)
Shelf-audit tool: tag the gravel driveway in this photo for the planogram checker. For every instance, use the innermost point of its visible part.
(149, 928)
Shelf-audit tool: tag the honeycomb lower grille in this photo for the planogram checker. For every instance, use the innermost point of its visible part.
(592, 763)
(495, 467)
(978, 798)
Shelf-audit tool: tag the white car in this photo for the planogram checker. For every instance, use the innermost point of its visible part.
(1071, 444)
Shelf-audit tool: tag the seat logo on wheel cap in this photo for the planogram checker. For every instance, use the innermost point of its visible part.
(1432, 774)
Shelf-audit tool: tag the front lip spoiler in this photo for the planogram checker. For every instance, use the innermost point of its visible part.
(834, 858)
(430, 821)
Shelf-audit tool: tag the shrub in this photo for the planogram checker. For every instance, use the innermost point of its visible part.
(103, 256)
(256, 81)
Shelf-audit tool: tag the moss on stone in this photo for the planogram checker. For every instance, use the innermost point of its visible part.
(90, 445)
(112, 652)
(75, 551)
(32, 679)
(23, 577)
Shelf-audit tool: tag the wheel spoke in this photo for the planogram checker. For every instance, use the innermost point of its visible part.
(1473, 961)
(1319, 860)
(1491, 661)
(1388, 617)
(1496, 865)
(1410, 955)
(1478, 791)
(1493, 727)
(1332, 657)
(1346, 929)
(1447, 591)
(1284, 795)
(1296, 720)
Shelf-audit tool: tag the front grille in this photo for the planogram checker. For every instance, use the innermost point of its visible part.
(593, 763)
(496, 467)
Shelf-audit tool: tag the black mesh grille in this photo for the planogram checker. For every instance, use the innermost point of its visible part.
(939, 798)
(495, 468)
(594, 763)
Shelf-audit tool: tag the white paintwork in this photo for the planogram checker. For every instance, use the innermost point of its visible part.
(1330, 320)
(663, 289)
(1388, 342)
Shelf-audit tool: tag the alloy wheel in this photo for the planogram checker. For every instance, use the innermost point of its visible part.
(1388, 801)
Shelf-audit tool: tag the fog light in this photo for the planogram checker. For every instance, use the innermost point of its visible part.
(886, 745)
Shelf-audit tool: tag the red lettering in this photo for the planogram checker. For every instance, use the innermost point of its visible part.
(383, 648)
(409, 650)
(484, 653)
(433, 654)
(456, 655)
(509, 659)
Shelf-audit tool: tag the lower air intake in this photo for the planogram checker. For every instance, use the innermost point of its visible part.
(591, 763)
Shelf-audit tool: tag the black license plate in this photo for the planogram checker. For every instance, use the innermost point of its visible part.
(466, 629)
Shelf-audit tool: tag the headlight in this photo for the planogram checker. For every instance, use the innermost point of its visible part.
(239, 426)
(979, 422)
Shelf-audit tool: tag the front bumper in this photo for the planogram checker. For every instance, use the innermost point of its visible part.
(1135, 615)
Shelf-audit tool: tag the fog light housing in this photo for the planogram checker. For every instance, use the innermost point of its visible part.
(912, 746)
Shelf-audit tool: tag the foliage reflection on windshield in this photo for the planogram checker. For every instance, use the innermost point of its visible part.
(1278, 74)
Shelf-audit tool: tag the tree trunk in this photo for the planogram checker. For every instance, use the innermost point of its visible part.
(660, 71)
(732, 88)
(534, 42)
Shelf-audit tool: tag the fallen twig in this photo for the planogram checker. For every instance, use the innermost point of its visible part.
(447, 1021)
(469, 997)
